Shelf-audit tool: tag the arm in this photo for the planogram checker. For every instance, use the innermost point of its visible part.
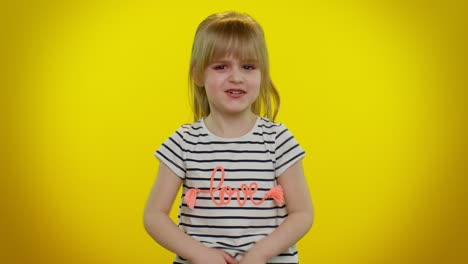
(164, 231)
(296, 225)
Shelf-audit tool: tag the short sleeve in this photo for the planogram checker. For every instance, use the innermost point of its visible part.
(171, 153)
(287, 150)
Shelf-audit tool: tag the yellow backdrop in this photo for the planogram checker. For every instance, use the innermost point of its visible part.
(373, 92)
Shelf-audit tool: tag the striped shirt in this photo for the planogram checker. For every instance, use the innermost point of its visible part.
(231, 220)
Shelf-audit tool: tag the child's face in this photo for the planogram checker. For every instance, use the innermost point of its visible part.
(232, 85)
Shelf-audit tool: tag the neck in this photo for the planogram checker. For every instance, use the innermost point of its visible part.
(228, 126)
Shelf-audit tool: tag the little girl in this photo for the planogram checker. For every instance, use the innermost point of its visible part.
(244, 198)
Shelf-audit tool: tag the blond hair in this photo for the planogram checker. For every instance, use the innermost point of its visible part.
(230, 33)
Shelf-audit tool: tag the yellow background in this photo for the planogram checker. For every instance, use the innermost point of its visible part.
(374, 91)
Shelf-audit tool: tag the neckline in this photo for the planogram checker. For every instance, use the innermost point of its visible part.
(250, 132)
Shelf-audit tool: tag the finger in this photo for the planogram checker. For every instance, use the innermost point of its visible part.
(229, 259)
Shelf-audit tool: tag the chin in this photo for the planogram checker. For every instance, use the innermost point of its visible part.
(237, 111)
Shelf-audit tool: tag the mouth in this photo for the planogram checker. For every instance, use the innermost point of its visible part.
(235, 91)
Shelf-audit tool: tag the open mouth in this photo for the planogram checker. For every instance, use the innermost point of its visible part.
(235, 91)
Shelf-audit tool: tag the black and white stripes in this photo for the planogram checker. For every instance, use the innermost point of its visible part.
(259, 157)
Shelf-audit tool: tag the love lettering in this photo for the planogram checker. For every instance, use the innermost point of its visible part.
(222, 191)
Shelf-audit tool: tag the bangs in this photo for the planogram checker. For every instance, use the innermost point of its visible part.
(233, 38)
(243, 49)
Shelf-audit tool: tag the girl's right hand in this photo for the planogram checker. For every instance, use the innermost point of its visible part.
(214, 256)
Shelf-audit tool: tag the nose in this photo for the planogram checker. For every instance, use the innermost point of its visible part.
(236, 75)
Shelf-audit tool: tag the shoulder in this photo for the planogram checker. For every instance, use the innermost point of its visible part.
(270, 127)
(190, 129)
(189, 134)
(181, 139)
(267, 124)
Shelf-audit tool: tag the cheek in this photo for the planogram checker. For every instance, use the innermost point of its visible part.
(212, 87)
(257, 81)
(212, 81)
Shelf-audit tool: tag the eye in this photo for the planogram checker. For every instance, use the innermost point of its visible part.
(220, 67)
(249, 67)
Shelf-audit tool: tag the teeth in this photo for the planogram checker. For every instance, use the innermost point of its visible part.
(235, 92)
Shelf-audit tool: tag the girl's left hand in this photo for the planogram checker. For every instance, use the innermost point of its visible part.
(250, 258)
